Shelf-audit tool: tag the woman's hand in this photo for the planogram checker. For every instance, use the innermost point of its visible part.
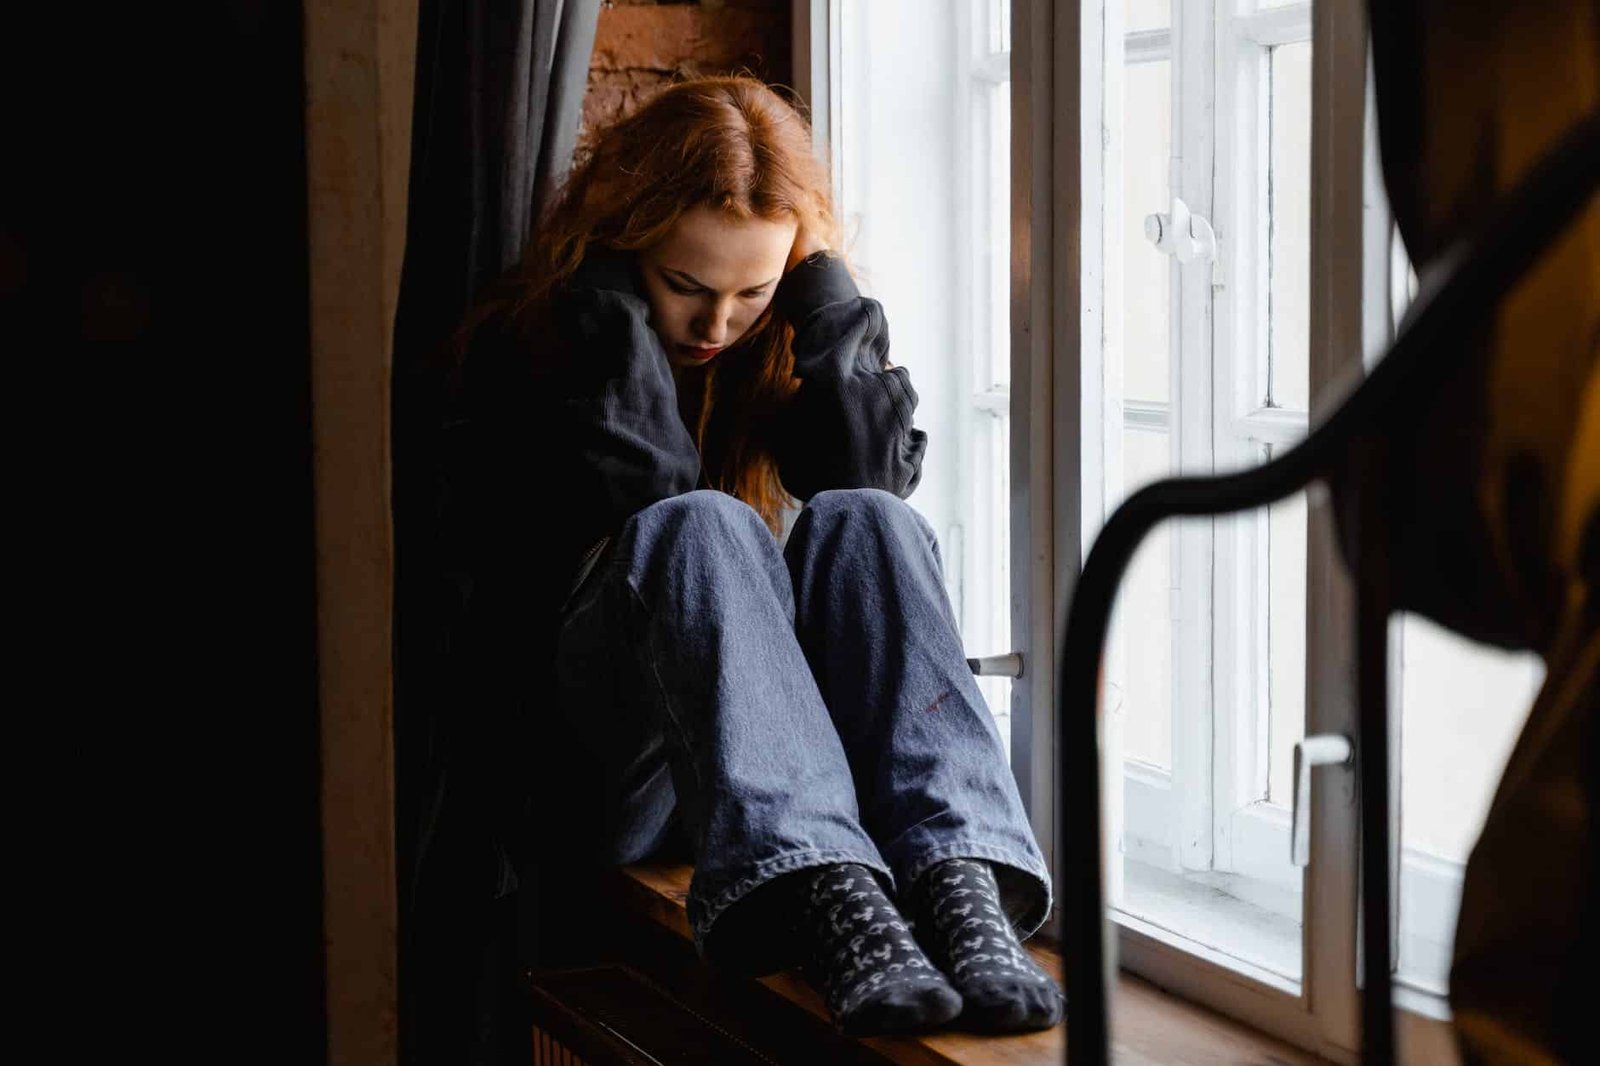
(805, 243)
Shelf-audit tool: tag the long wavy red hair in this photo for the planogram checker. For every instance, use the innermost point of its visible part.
(729, 143)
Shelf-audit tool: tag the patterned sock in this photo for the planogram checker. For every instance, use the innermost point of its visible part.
(956, 907)
(863, 958)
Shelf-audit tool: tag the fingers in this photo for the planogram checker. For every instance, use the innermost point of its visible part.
(805, 244)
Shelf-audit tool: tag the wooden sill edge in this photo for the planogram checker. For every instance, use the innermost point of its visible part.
(1151, 1026)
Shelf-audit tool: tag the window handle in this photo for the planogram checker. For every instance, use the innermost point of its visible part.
(1327, 749)
(1181, 234)
(1007, 665)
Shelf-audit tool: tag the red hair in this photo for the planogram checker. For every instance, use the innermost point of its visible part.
(730, 143)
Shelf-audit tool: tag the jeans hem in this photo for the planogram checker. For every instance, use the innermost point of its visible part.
(765, 871)
(1029, 920)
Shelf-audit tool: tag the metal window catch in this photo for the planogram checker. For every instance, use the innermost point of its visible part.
(1327, 749)
(1181, 234)
(1007, 665)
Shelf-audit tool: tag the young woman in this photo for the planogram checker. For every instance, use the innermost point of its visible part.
(680, 357)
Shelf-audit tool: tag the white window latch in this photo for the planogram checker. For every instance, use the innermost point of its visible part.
(1007, 665)
(1327, 749)
(1182, 234)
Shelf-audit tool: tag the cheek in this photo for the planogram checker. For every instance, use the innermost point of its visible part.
(752, 311)
(668, 315)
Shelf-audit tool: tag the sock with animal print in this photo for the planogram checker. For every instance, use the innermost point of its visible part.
(959, 920)
(863, 958)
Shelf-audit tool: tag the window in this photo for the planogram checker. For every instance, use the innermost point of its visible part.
(920, 144)
(1209, 112)
(1104, 269)
(1205, 350)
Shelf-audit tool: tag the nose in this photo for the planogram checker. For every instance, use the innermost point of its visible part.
(714, 324)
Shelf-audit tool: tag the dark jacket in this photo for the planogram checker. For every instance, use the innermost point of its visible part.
(543, 454)
(548, 453)
(594, 436)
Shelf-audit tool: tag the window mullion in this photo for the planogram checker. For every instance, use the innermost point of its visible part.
(1192, 654)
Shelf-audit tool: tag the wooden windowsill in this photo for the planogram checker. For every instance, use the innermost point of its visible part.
(1149, 1026)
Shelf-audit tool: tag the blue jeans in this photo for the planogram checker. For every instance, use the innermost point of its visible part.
(788, 709)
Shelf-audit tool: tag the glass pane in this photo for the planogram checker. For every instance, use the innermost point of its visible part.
(1147, 150)
(1286, 642)
(999, 25)
(1462, 706)
(1239, 896)
(1146, 15)
(1402, 278)
(908, 103)
(997, 211)
(1142, 622)
(987, 624)
(987, 621)
(1290, 214)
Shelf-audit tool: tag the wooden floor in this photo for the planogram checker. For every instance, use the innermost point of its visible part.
(1148, 1025)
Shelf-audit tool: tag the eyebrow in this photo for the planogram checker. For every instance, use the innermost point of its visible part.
(692, 280)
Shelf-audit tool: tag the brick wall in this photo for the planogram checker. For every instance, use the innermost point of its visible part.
(642, 44)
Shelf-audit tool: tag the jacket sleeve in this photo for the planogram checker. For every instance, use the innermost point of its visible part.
(616, 430)
(849, 425)
(561, 446)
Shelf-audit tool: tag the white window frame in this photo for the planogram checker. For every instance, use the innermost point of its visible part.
(984, 71)
(1322, 1013)
(1251, 835)
(1062, 441)
(1219, 822)
(974, 544)
(1206, 812)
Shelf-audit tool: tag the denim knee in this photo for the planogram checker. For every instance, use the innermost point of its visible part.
(695, 530)
(875, 508)
(873, 504)
(699, 517)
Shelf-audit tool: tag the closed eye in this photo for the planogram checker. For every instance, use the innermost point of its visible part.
(689, 290)
(686, 288)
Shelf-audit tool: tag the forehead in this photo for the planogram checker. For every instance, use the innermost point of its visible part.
(723, 250)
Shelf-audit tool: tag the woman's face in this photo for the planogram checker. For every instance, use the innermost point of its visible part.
(710, 279)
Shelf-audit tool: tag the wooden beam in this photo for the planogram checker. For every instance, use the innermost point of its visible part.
(360, 58)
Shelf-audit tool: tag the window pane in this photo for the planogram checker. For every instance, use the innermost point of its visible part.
(1286, 642)
(1242, 896)
(1142, 622)
(1461, 706)
(1147, 150)
(997, 246)
(1290, 251)
(987, 621)
(934, 252)
(1146, 14)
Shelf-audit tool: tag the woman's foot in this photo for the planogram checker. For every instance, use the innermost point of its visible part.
(863, 958)
(956, 906)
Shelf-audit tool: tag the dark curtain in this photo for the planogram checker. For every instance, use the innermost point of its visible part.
(499, 87)
(1493, 488)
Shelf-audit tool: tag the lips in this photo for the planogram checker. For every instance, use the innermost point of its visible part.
(689, 351)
